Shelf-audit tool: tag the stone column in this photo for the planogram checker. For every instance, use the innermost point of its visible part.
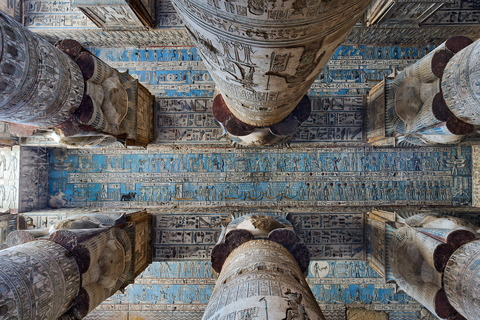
(460, 84)
(432, 101)
(261, 264)
(260, 278)
(38, 280)
(264, 55)
(85, 260)
(462, 280)
(74, 97)
(39, 85)
(411, 263)
(434, 259)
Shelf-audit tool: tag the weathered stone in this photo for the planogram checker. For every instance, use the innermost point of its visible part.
(364, 314)
(39, 280)
(412, 255)
(71, 47)
(460, 84)
(40, 85)
(433, 101)
(233, 239)
(269, 54)
(461, 279)
(260, 279)
(285, 237)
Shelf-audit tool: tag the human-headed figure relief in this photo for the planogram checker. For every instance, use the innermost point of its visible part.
(12, 195)
(438, 221)
(3, 164)
(2, 192)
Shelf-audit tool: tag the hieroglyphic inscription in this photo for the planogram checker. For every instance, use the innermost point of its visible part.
(184, 88)
(54, 14)
(33, 194)
(299, 177)
(455, 13)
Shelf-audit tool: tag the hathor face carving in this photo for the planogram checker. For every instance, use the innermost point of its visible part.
(259, 225)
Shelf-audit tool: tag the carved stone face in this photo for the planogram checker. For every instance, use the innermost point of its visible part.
(409, 258)
(440, 222)
(112, 264)
(115, 102)
(79, 222)
(259, 225)
(446, 222)
(407, 99)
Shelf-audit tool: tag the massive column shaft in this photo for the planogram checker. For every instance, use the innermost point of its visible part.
(460, 84)
(39, 85)
(462, 280)
(264, 55)
(260, 278)
(38, 280)
(261, 262)
(85, 260)
(78, 97)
